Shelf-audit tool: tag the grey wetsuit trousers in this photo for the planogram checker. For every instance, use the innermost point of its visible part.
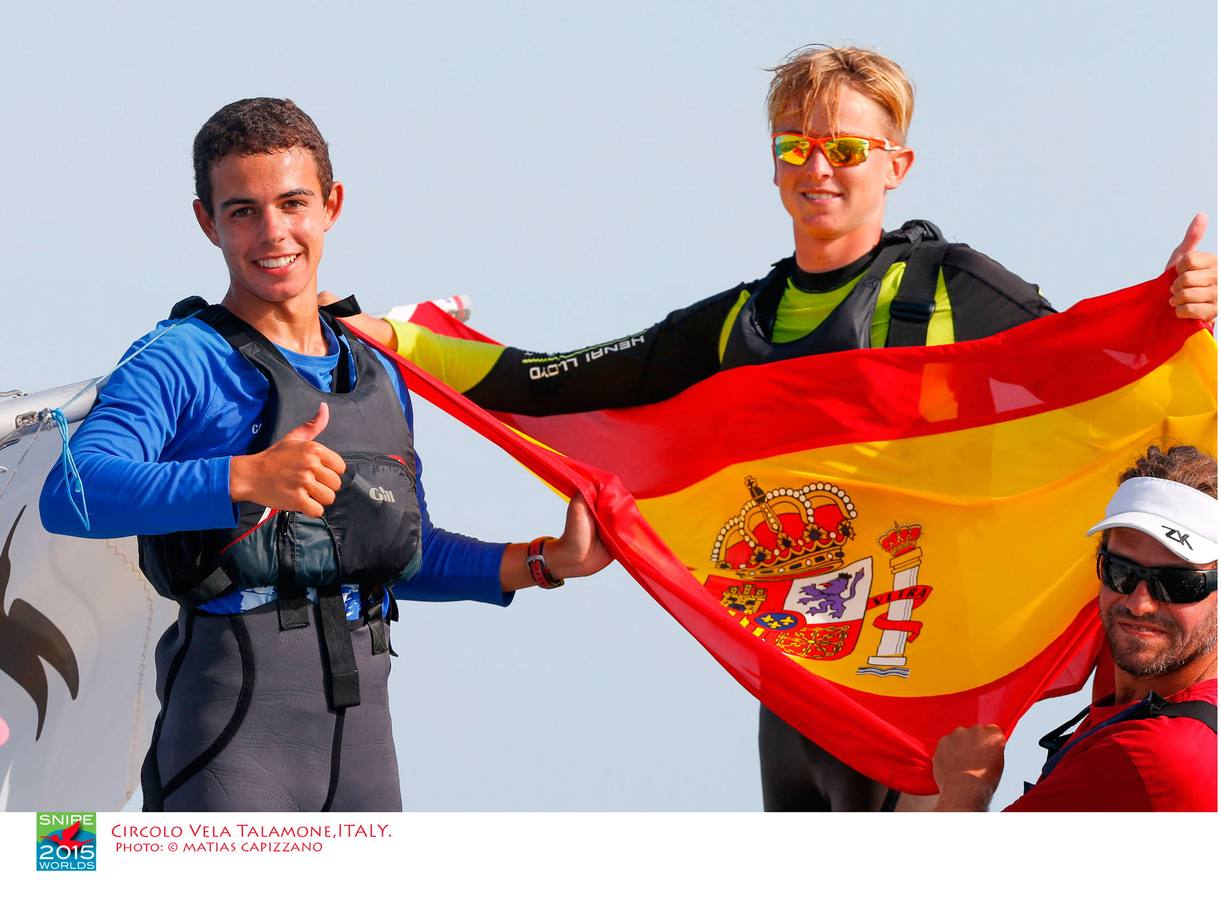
(245, 724)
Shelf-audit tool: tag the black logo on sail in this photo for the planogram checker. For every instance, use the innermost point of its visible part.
(27, 637)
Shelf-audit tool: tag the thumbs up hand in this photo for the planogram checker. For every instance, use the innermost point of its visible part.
(1194, 293)
(295, 473)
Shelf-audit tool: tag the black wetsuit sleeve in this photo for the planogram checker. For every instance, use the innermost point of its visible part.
(985, 297)
(644, 367)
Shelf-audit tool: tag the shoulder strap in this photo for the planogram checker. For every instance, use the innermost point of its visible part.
(345, 307)
(848, 324)
(1058, 736)
(240, 336)
(846, 327)
(1057, 743)
(1200, 710)
(255, 347)
(913, 305)
(188, 306)
(765, 299)
(342, 376)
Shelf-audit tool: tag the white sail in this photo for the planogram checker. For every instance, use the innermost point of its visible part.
(78, 626)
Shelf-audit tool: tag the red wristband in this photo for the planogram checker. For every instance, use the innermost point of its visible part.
(538, 565)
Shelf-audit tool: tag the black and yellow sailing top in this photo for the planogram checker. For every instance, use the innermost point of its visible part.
(974, 297)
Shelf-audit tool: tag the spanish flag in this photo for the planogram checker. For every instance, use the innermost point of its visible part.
(884, 544)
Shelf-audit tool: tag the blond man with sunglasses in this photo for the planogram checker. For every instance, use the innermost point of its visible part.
(1152, 745)
(839, 118)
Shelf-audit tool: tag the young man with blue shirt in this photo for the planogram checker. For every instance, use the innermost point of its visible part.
(264, 457)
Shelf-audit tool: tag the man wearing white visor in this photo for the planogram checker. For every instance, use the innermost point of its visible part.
(1152, 745)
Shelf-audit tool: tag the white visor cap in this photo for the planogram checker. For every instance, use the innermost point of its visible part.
(1180, 518)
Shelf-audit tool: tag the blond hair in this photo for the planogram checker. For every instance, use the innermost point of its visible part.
(810, 79)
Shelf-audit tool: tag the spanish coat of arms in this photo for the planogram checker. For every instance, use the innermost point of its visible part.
(788, 577)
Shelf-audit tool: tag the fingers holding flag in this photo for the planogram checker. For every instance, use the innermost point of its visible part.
(967, 766)
(547, 562)
(579, 551)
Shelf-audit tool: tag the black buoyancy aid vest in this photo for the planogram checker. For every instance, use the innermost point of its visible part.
(370, 535)
(918, 242)
(1060, 740)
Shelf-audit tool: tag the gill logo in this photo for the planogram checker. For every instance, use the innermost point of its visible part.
(381, 495)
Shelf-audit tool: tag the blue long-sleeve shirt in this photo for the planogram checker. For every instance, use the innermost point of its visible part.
(154, 457)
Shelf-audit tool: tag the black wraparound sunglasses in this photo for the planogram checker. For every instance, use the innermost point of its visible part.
(1167, 584)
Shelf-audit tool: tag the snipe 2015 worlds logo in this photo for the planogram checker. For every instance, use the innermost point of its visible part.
(67, 841)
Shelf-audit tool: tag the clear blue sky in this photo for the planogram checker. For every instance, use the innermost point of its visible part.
(580, 171)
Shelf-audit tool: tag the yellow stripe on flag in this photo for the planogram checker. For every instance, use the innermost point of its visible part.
(993, 504)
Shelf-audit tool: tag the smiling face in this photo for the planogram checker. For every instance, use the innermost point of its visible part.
(1150, 639)
(269, 219)
(837, 212)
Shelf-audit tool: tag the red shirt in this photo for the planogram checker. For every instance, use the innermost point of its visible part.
(1158, 765)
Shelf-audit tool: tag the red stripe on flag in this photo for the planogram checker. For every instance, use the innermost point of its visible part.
(1015, 374)
(803, 404)
(847, 723)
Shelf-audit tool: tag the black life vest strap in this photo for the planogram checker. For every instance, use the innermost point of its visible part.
(1200, 710)
(765, 301)
(216, 584)
(188, 306)
(913, 304)
(256, 348)
(393, 616)
(292, 607)
(341, 309)
(379, 637)
(1058, 736)
(848, 325)
(379, 634)
(344, 373)
(344, 682)
(1059, 741)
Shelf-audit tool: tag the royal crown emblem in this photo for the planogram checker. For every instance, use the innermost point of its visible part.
(783, 572)
(786, 531)
(901, 539)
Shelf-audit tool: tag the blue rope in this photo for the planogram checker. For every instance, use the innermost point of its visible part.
(72, 477)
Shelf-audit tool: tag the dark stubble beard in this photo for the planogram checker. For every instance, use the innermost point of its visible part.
(1183, 649)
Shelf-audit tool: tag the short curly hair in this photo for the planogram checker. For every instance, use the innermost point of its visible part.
(1186, 465)
(251, 127)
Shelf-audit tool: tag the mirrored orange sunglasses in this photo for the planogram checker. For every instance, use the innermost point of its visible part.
(841, 150)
